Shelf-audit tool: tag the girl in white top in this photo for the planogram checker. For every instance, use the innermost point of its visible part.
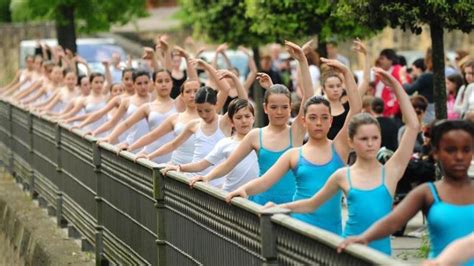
(128, 105)
(176, 124)
(211, 127)
(96, 100)
(153, 113)
(85, 90)
(241, 114)
(64, 95)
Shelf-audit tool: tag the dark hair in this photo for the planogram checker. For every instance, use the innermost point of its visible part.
(93, 75)
(237, 104)
(276, 89)
(137, 74)
(419, 102)
(402, 60)
(328, 72)
(316, 100)
(377, 105)
(444, 126)
(206, 94)
(113, 85)
(391, 55)
(128, 69)
(160, 71)
(420, 63)
(456, 79)
(360, 120)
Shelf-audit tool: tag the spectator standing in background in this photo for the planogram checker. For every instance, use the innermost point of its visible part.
(115, 68)
(388, 61)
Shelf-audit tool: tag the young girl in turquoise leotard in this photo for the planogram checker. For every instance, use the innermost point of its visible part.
(314, 162)
(368, 185)
(448, 203)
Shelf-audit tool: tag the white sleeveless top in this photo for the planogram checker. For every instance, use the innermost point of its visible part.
(184, 153)
(154, 120)
(131, 131)
(203, 145)
(92, 107)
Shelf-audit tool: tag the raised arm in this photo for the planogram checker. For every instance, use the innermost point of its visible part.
(149, 53)
(108, 77)
(157, 133)
(341, 141)
(297, 53)
(138, 115)
(223, 89)
(264, 182)
(359, 47)
(252, 70)
(166, 54)
(190, 69)
(397, 164)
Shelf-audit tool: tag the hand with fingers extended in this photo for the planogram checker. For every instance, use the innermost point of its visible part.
(163, 45)
(359, 46)
(196, 179)
(236, 193)
(180, 52)
(264, 80)
(222, 48)
(308, 47)
(349, 241)
(335, 64)
(224, 73)
(141, 155)
(148, 53)
(269, 205)
(386, 77)
(295, 51)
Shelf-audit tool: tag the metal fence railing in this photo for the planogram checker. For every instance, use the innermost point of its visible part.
(131, 214)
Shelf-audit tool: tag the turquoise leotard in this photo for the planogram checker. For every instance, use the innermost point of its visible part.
(310, 178)
(448, 222)
(366, 207)
(283, 190)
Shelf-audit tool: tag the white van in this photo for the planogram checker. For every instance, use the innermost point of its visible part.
(93, 50)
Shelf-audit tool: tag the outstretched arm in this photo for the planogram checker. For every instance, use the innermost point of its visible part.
(140, 114)
(157, 133)
(115, 119)
(456, 253)
(94, 116)
(178, 141)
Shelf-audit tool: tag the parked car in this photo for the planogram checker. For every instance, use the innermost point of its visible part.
(94, 50)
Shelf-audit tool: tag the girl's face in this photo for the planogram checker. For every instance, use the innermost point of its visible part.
(454, 152)
(85, 86)
(176, 61)
(243, 121)
(450, 87)
(317, 121)
(206, 112)
(333, 88)
(127, 81)
(57, 75)
(117, 89)
(189, 93)
(278, 109)
(163, 84)
(141, 85)
(367, 140)
(469, 74)
(70, 80)
(97, 84)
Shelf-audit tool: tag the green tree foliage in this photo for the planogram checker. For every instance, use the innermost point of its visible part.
(5, 15)
(84, 15)
(411, 15)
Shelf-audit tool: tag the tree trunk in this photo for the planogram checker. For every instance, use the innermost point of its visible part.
(66, 28)
(439, 85)
(322, 51)
(257, 92)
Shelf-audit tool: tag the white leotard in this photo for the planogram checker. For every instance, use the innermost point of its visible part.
(154, 120)
(245, 171)
(203, 144)
(92, 107)
(184, 153)
(129, 134)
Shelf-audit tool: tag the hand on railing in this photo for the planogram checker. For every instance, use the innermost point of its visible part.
(121, 147)
(73, 127)
(195, 179)
(87, 133)
(269, 205)
(141, 155)
(171, 167)
(351, 240)
(236, 193)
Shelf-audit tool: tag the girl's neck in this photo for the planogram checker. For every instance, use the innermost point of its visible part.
(366, 164)
(277, 127)
(318, 142)
(190, 110)
(95, 93)
(215, 118)
(161, 99)
(237, 136)
(458, 182)
(129, 93)
(334, 103)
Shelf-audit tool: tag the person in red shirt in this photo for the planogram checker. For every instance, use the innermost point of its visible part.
(388, 61)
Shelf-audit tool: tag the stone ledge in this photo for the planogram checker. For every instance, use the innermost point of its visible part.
(31, 232)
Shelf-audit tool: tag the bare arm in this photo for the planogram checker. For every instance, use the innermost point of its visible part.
(140, 114)
(178, 141)
(108, 77)
(94, 116)
(157, 133)
(114, 120)
(252, 70)
(341, 141)
(359, 47)
(190, 69)
(456, 253)
(221, 86)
